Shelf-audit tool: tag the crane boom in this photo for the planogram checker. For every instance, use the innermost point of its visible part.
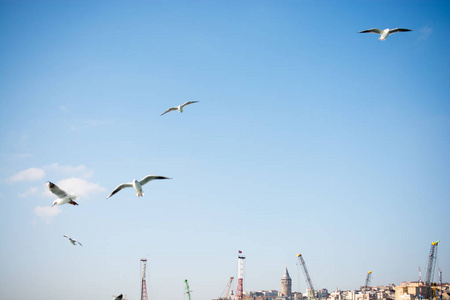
(431, 262)
(226, 294)
(310, 290)
(369, 276)
(305, 271)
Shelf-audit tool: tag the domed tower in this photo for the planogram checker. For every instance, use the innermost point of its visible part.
(286, 284)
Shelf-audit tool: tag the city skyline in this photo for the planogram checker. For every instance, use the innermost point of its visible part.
(307, 137)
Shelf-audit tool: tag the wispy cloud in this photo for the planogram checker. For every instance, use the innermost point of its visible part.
(86, 124)
(425, 32)
(20, 155)
(31, 174)
(46, 213)
(31, 191)
(54, 170)
(68, 170)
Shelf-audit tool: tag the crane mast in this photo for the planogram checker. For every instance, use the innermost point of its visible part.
(310, 290)
(188, 291)
(431, 262)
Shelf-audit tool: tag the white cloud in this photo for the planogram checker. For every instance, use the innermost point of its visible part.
(46, 213)
(76, 180)
(80, 187)
(54, 170)
(31, 174)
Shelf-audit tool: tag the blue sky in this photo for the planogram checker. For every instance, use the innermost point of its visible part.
(308, 138)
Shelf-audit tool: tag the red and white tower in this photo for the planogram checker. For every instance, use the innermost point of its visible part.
(144, 295)
(240, 284)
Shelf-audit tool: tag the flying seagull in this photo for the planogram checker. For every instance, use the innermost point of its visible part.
(73, 241)
(137, 185)
(384, 33)
(179, 107)
(63, 197)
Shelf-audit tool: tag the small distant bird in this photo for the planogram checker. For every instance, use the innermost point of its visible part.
(179, 107)
(384, 33)
(73, 241)
(63, 197)
(120, 297)
(137, 185)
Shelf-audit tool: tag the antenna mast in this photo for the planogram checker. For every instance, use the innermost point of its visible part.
(240, 285)
(144, 295)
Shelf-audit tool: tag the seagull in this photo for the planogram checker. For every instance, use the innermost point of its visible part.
(120, 297)
(73, 241)
(137, 185)
(384, 33)
(179, 107)
(63, 197)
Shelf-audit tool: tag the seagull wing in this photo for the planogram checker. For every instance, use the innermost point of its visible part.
(170, 109)
(152, 177)
(56, 190)
(373, 30)
(398, 30)
(120, 297)
(79, 243)
(67, 236)
(122, 186)
(189, 102)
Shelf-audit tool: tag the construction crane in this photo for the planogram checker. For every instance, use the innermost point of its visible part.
(431, 262)
(226, 294)
(188, 291)
(310, 290)
(368, 278)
